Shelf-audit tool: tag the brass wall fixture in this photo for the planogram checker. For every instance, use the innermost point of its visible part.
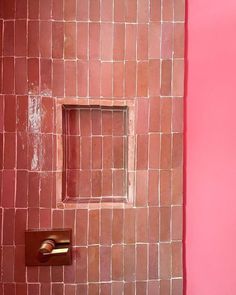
(48, 247)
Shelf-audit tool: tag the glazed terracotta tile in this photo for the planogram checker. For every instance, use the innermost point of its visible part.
(70, 78)
(167, 40)
(57, 289)
(154, 34)
(130, 82)
(178, 78)
(8, 188)
(45, 9)
(94, 41)
(82, 81)
(142, 116)
(119, 10)
(165, 188)
(141, 188)
(117, 232)
(9, 148)
(131, 11)
(9, 288)
(117, 262)
(177, 286)
(177, 223)
(58, 78)
(179, 30)
(177, 157)
(33, 38)
(20, 224)
(105, 288)
(143, 11)
(154, 77)
(167, 10)
(153, 188)
(82, 289)
(8, 264)
(70, 40)
(141, 225)
(155, 10)
(179, 10)
(165, 286)
(33, 76)
(107, 41)
(57, 39)
(141, 262)
(129, 288)
(8, 77)
(165, 260)
(106, 79)
(165, 224)
(166, 68)
(105, 263)
(153, 224)
(21, 289)
(106, 10)
(57, 9)
(45, 29)
(93, 233)
(94, 10)
(70, 10)
(20, 41)
(22, 189)
(21, 9)
(34, 9)
(129, 263)
(142, 152)
(177, 115)
(142, 79)
(153, 262)
(142, 42)
(177, 260)
(119, 41)
(166, 115)
(8, 227)
(46, 77)
(8, 41)
(94, 78)
(177, 186)
(130, 41)
(57, 274)
(93, 263)
(154, 151)
(118, 79)
(141, 288)
(165, 151)
(129, 226)
(45, 289)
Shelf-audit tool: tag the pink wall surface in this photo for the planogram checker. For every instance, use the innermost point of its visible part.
(211, 148)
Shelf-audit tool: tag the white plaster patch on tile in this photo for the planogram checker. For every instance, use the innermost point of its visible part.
(34, 114)
(35, 160)
(46, 92)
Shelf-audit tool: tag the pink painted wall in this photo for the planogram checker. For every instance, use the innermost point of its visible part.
(211, 148)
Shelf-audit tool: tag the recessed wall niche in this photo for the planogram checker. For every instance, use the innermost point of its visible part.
(98, 148)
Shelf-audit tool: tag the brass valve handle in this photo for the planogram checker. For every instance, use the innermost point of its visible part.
(48, 247)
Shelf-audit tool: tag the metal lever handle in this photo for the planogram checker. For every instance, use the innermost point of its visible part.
(48, 247)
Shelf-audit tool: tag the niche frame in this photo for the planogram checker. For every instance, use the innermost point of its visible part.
(128, 200)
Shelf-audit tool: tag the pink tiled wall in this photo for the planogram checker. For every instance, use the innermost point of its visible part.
(100, 52)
